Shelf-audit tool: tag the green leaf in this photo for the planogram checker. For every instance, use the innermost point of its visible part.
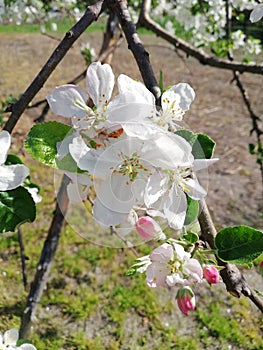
(239, 244)
(131, 272)
(191, 237)
(203, 147)
(192, 211)
(12, 159)
(68, 163)
(189, 136)
(16, 207)
(42, 141)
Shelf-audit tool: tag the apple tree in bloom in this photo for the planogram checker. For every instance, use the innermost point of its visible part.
(128, 156)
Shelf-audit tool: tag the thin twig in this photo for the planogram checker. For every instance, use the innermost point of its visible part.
(23, 256)
(146, 21)
(254, 118)
(71, 36)
(134, 44)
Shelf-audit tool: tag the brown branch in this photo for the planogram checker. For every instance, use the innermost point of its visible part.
(146, 21)
(23, 256)
(46, 259)
(91, 14)
(234, 280)
(134, 44)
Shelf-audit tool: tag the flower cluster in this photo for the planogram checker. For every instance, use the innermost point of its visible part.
(206, 21)
(134, 167)
(170, 265)
(128, 150)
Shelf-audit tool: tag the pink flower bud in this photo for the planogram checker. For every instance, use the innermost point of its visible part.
(147, 228)
(211, 274)
(185, 300)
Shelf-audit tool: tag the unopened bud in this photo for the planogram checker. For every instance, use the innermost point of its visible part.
(148, 228)
(211, 274)
(185, 300)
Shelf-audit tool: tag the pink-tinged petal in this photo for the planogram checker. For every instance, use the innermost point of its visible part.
(12, 176)
(11, 337)
(257, 13)
(68, 101)
(194, 189)
(211, 274)
(186, 93)
(175, 206)
(193, 269)
(100, 83)
(148, 228)
(162, 254)
(180, 253)
(156, 274)
(200, 164)
(185, 300)
(5, 142)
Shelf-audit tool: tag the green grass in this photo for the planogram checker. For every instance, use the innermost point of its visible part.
(62, 27)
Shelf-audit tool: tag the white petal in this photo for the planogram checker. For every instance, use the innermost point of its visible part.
(64, 98)
(257, 13)
(63, 147)
(105, 216)
(76, 192)
(5, 142)
(195, 190)
(11, 337)
(126, 84)
(100, 83)
(175, 206)
(187, 95)
(12, 176)
(144, 131)
(77, 148)
(27, 347)
(156, 186)
(129, 107)
(115, 193)
(200, 164)
(168, 152)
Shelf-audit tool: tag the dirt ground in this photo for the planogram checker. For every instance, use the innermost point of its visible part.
(234, 187)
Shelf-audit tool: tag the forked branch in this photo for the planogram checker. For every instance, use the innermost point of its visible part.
(146, 21)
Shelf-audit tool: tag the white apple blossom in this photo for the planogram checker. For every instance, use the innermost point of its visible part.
(11, 176)
(170, 265)
(9, 339)
(120, 171)
(257, 13)
(165, 193)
